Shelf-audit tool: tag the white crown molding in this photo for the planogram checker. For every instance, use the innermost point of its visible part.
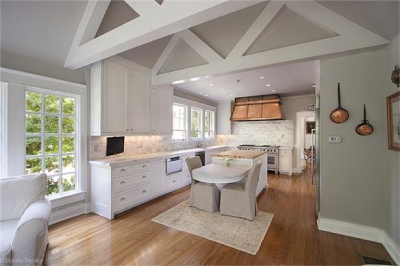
(362, 232)
(350, 36)
(152, 24)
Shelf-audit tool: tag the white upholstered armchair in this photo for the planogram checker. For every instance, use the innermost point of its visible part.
(24, 217)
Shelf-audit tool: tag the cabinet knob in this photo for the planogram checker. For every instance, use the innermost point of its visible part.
(122, 182)
(127, 129)
(144, 191)
(144, 177)
(131, 129)
(122, 170)
(144, 166)
(122, 199)
(174, 181)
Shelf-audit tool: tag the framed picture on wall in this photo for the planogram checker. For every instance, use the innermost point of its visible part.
(393, 120)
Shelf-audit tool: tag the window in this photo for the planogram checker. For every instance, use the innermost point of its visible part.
(1, 129)
(196, 124)
(179, 122)
(208, 124)
(51, 139)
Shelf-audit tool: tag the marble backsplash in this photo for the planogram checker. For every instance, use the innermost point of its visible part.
(137, 145)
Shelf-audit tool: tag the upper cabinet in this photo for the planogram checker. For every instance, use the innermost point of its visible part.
(119, 98)
(161, 109)
(224, 125)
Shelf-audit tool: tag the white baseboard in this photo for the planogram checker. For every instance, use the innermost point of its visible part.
(88, 208)
(67, 213)
(362, 232)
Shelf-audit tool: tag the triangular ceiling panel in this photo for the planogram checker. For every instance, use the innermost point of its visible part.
(147, 54)
(223, 33)
(286, 29)
(117, 14)
(160, 2)
(183, 56)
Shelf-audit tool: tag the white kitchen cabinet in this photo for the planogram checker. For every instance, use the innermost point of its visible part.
(119, 98)
(285, 160)
(224, 125)
(159, 175)
(161, 100)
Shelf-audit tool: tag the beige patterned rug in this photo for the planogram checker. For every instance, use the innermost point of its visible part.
(234, 232)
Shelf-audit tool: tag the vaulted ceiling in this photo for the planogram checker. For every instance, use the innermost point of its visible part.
(180, 40)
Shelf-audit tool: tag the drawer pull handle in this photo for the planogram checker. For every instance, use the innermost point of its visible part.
(122, 182)
(144, 166)
(122, 170)
(144, 177)
(144, 191)
(174, 181)
(122, 199)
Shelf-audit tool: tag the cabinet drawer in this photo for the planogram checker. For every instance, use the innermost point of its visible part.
(173, 180)
(131, 197)
(128, 181)
(123, 170)
(186, 177)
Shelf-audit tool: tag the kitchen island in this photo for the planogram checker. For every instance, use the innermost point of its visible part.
(246, 158)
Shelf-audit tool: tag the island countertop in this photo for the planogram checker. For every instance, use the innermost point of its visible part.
(241, 154)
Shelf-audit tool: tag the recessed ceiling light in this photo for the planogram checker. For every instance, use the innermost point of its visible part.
(262, 77)
(223, 90)
(268, 85)
(211, 84)
(200, 93)
(273, 90)
(231, 95)
(206, 95)
(178, 81)
(194, 79)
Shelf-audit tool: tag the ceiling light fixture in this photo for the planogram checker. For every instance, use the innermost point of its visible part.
(211, 84)
(268, 85)
(178, 81)
(223, 90)
(273, 90)
(262, 77)
(194, 79)
(200, 93)
(231, 95)
(206, 95)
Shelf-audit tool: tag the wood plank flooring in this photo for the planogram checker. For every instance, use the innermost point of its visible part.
(133, 239)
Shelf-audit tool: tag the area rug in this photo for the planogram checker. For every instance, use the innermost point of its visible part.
(234, 232)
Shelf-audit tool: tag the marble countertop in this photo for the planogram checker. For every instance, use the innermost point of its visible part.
(220, 173)
(120, 160)
(241, 154)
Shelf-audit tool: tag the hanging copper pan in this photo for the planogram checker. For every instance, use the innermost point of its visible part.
(339, 115)
(365, 128)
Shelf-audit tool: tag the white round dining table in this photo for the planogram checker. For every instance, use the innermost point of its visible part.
(220, 173)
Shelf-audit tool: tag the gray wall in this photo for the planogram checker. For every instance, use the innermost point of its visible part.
(391, 158)
(25, 64)
(352, 172)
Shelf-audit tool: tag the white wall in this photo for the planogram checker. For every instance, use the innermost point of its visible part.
(391, 158)
(352, 172)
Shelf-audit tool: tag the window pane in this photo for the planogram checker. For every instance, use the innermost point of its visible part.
(52, 165)
(68, 182)
(52, 145)
(33, 123)
(33, 145)
(53, 185)
(51, 124)
(68, 164)
(33, 101)
(178, 135)
(33, 165)
(68, 106)
(195, 119)
(68, 145)
(68, 124)
(195, 134)
(52, 104)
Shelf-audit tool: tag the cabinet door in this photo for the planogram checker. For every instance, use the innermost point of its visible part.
(153, 110)
(165, 109)
(139, 85)
(223, 118)
(284, 164)
(116, 112)
(158, 177)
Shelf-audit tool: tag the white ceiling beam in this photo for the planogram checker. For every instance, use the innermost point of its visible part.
(256, 28)
(165, 54)
(171, 17)
(200, 46)
(350, 37)
(143, 7)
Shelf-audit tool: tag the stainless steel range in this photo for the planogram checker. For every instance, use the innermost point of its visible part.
(272, 153)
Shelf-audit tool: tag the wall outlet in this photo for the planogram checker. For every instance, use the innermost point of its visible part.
(335, 139)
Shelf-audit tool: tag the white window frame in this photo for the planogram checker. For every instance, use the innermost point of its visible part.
(76, 135)
(212, 126)
(185, 123)
(201, 124)
(3, 129)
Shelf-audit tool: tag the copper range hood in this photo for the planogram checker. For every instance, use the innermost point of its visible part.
(257, 108)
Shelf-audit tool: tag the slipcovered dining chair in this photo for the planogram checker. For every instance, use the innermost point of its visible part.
(240, 199)
(203, 196)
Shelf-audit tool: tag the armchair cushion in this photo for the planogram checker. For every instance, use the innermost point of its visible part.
(17, 193)
(7, 233)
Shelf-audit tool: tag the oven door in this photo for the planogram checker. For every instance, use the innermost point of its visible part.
(272, 162)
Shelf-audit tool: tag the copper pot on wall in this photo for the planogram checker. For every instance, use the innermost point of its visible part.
(339, 115)
(365, 128)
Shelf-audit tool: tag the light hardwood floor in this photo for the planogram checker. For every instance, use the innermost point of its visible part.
(133, 239)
